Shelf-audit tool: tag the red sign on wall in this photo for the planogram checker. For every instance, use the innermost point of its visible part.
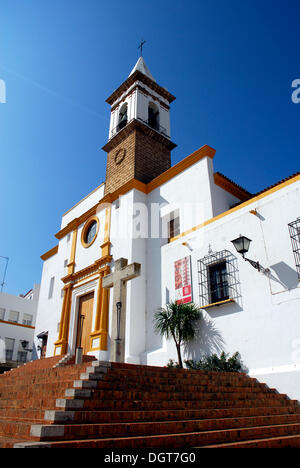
(183, 281)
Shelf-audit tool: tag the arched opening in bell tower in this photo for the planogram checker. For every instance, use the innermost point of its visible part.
(123, 116)
(153, 116)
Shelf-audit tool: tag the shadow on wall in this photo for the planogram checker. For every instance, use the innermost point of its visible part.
(286, 276)
(208, 340)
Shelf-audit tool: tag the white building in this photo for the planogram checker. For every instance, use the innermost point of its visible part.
(177, 223)
(17, 324)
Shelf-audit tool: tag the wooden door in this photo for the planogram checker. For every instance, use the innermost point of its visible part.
(85, 316)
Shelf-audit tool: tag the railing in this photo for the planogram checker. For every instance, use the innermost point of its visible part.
(124, 123)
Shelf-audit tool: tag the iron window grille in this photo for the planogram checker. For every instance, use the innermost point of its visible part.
(218, 278)
(294, 229)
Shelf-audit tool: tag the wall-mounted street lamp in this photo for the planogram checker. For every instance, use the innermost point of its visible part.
(242, 245)
(25, 344)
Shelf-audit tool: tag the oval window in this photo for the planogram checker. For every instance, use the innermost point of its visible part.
(90, 232)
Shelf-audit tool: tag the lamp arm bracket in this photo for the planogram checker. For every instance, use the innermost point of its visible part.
(256, 265)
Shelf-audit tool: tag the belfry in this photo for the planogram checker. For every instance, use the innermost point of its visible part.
(139, 145)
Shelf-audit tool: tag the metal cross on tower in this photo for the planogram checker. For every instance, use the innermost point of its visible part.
(141, 47)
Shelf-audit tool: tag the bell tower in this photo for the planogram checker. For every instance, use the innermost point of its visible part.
(139, 144)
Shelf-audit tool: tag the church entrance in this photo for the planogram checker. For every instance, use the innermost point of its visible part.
(84, 322)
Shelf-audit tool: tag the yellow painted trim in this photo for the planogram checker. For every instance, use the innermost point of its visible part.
(229, 186)
(84, 231)
(65, 320)
(105, 247)
(78, 203)
(217, 304)
(204, 151)
(50, 253)
(141, 186)
(87, 271)
(102, 312)
(107, 224)
(165, 177)
(71, 264)
(76, 222)
(90, 280)
(239, 207)
(17, 324)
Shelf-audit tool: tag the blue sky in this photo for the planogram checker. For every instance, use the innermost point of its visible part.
(230, 64)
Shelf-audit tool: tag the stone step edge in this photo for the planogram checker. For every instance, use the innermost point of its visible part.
(163, 436)
(248, 443)
(78, 393)
(44, 431)
(81, 390)
(58, 416)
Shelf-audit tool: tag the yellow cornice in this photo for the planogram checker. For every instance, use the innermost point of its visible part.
(87, 271)
(204, 151)
(231, 187)
(219, 179)
(141, 186)
(50, 253)
(76, 222)
(254, 199)
(17, 324)
(78, 203)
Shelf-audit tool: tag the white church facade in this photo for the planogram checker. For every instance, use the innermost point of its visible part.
(175, 226)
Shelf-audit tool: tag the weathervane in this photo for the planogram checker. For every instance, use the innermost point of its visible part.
(141, 47)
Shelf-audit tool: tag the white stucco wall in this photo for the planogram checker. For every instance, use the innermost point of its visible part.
(49, 309)
(83, 205)
(264, 323)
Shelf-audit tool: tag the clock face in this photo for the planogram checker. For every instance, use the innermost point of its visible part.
(120, 156)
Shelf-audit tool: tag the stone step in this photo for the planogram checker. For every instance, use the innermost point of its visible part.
(130, 395)
(94, 404)
(292, 441)
(78, 417)
(184, 374)
(15, 429)
(174, 441)
(108, 430)
(182, 387)
(22, 414)
(52, 390)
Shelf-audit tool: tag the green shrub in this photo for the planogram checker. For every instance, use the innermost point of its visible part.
(222, 363)
(172, 364)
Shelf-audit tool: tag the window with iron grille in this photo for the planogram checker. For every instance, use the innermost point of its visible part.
(218, 278)
(294, 229)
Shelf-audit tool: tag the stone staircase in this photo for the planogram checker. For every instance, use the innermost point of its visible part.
(120, 406)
